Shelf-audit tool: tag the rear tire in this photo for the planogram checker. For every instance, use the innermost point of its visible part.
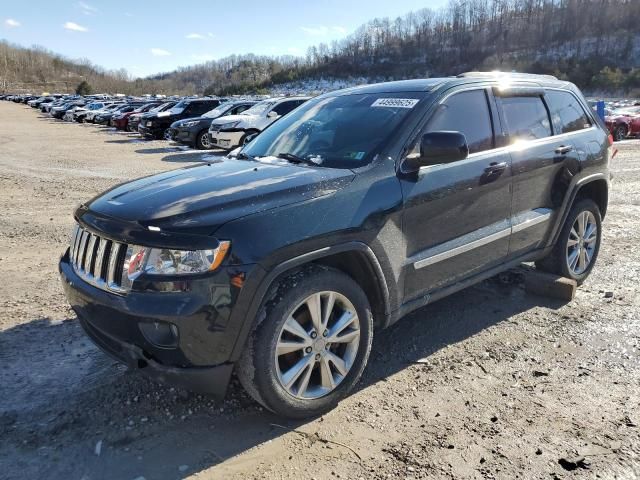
(576, 250)
(305, 373)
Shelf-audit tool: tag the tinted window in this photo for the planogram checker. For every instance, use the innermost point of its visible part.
(239, 109)
(468, 113)
(566, 112)
(343, 131)
(285, 107)
(526, 118)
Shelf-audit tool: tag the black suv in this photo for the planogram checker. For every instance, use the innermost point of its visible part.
(356, 208)
(156, 126)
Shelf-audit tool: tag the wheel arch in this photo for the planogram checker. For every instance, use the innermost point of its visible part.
(595, 187)
(355, 259)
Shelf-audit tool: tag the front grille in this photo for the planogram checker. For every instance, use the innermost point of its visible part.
(97, 260)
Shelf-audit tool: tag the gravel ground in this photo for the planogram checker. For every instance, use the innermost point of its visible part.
(489, 383)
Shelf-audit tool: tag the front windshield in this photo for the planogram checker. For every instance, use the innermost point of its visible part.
(259, 108)
(216, 112)
(178, 108)
(343, 131)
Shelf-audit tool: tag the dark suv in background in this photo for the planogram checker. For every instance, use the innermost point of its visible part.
(155, 126)
(356, 208)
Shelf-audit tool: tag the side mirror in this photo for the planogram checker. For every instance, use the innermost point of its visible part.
(272, 114)
(437, 148)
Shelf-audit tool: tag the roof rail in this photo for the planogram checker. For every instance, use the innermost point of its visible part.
(505, 74)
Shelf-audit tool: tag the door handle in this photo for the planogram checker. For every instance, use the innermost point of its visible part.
(495, 167)
(563, 149)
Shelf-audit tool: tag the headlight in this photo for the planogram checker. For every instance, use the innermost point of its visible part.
(192, 123)
(165, 261)
(227, 126)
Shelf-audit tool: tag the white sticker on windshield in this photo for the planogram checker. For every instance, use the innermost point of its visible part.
(395, 102)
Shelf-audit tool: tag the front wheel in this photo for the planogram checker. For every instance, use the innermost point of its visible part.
(203, 142)
(620, 133)
(576, 250)
(311, 344)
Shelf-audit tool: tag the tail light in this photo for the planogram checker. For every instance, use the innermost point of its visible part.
(611, 140)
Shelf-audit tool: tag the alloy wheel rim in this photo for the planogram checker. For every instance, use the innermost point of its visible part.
(205, 140)
(317, 345)
(582, 242)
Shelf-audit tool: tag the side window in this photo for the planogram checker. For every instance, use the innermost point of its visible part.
(238, 109)
(285, 107)
(526, 118)
(467, 113)
(566, 112)
(198, 108)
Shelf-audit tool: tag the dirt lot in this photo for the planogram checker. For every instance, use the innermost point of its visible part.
(489, 383)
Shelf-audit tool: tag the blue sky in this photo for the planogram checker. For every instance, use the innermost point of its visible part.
(147, 37)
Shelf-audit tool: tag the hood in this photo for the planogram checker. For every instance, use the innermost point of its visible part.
(199, 199)
(246, 121)
(202, 120)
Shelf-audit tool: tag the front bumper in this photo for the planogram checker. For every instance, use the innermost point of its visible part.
(202, 312)
(151, 132)
(183, 135)
(226, 140)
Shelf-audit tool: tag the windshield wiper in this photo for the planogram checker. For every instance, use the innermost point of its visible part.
(245, 156)
(296, 159)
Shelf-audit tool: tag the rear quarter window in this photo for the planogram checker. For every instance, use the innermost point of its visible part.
(566, 112)
(526, 118)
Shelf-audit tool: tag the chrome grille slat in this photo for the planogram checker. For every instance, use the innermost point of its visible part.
(113, 260)
(91, 245)
(82, 249)
(97, 260)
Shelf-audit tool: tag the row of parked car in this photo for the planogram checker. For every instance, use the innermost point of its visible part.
(202, 123)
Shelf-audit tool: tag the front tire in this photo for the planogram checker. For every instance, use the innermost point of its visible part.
(202, 140)
(576, 250)
(619, 133)
(311, 343)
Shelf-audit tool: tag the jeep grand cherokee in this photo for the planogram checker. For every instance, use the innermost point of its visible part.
(356, 208)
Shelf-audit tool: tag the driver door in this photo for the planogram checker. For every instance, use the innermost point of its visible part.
(456, 217)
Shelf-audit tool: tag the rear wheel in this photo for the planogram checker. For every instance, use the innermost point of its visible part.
(576, 250)
(203, 142)
(311, 345)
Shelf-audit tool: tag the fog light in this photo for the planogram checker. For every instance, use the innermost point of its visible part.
(160, 334)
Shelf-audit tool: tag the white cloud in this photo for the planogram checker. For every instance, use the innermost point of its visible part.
(159, 52)
(87, 9)
(210, 35)
(128, 14)
(195, 36)
(324, 30)
(10, 22)
(74, 27)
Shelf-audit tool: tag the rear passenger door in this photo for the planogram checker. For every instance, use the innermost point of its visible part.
(542, 164)
(456, 215)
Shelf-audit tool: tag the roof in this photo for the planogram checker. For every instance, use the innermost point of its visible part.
(429, 84)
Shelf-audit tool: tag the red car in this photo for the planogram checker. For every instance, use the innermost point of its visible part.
(121, 121)
(624, 122)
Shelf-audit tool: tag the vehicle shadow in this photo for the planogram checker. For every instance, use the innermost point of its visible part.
(200, 156)
(63, 397)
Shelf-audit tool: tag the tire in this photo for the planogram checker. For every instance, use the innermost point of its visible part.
(619, 133)
(263, 371)
(202, 140)
(559, 261)
(247, 137)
